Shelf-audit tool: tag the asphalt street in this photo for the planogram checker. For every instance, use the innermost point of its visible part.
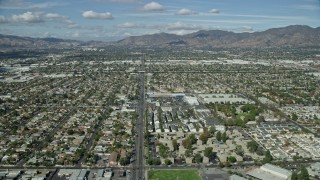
(138, 166)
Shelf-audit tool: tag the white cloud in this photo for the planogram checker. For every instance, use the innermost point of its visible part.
(55, 16)
(28, 17)
(72, 25)
(127, 34)
(308, 7)
(128, 25)
(245, 29)
(94, 15)
(261, 17)
(75, 34)
(123, 1)
(11, 4)
(181, 32)
(214, 11)
(21, 4)
(48, 35)
(153, 6)
(44, 5)
(175, 28)
(37, 17)
(181, 26)
(116, 1)
(185, 12)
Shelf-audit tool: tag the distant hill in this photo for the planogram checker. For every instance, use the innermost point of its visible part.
(16, 41)
(290, 36)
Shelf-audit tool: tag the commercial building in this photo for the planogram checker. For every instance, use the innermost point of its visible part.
(191, 100)
(224, 99)
(269, 171)
(236, 177)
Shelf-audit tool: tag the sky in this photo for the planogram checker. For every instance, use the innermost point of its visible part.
(110, 20)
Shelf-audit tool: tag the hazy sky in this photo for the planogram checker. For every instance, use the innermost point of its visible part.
(109, 20)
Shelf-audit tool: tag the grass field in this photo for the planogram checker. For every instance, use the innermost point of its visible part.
(191, 174)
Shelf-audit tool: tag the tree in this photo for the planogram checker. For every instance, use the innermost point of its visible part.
(252, 146)
(146, 135)
(232, 159)
(227, 164)
(259, 151)
(208, 152)
(187, 143)
(163, 150)
(212, 130)
(188, 153)
(268, 158)
(218, 136)
(167, 162)
(248, 108)
(150, 161)
(193, 138)
(294, 176)
(221, 165)
(249, 117)
(294, 116)
(70, 132)
(304, 175)
(239, 122)
(260, 119)
(295, 157)
(124, 161)
(156, 161)
(224, 137)
(198, 158)
(204, 136)
(81, 133)
(175, 144)
(239, 150)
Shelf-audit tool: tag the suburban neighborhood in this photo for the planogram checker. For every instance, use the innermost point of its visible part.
(66, 116)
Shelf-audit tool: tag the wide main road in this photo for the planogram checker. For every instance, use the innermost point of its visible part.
(138, 166)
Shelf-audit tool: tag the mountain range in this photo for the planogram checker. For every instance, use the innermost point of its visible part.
(290, 36)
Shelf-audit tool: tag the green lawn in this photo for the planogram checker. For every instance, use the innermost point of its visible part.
(190, 174)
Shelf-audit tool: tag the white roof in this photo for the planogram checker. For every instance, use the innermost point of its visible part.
(273, 168)
(236, 177)
(263, 175)
(269, 171)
